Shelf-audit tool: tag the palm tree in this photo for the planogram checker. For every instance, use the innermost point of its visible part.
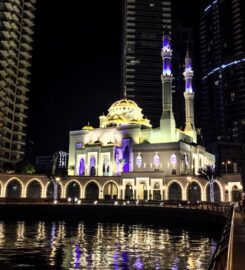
(210, 173)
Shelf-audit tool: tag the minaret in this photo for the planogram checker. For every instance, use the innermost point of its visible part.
(189, 98)
(167, 122)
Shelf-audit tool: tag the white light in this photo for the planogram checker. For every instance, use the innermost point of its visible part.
(79, 202)
(95, 202)
(124, 203)
(75, 199)
(69, 199)
(127, 202)
(55, 201)
(115, 203)
(137, 202)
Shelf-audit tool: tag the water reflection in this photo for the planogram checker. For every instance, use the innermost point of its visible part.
(102, 246)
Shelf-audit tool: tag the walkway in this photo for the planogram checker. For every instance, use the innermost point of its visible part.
(239, 242)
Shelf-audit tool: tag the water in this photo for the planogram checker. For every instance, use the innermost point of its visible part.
(62, 245)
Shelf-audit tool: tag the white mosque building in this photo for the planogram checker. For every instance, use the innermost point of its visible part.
(145, 160)
(125, 158)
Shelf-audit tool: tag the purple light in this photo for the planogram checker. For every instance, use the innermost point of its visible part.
(139, 264)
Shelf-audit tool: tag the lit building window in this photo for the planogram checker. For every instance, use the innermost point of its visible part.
(139, 160)
(173, 159)
(156, 160)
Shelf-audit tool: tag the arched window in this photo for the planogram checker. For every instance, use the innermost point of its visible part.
(173, 172)
(106, 167)
(92, 166)
(82, 167)
(139, 160)
(173, 159)
(156, 160)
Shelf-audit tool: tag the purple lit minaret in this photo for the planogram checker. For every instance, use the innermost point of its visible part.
(189, 97)
(167, 121)
(188, 74)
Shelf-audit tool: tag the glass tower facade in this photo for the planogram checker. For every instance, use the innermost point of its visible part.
(222, 51)
(144, 24)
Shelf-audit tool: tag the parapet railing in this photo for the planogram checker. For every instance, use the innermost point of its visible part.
(222, 208)
(222, 257)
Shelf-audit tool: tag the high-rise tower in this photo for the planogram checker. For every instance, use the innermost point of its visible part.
(16, 30)
(144, 23)
(222, 51)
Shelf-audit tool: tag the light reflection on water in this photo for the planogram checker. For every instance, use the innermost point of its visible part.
(63, 245)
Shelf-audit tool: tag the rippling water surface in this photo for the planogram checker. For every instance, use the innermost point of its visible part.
(62, 245)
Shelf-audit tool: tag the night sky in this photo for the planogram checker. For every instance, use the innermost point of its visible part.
(76, 66)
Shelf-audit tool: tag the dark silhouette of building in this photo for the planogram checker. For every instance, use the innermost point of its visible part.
(222, 51)
(144, 24)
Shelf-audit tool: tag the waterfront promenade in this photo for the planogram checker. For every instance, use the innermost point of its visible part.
(239, 241)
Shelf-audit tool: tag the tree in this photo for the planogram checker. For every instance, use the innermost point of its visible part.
(210, 173)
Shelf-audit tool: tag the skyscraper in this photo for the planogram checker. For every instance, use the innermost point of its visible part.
(144, 24)
(16, 31)
(222, 51)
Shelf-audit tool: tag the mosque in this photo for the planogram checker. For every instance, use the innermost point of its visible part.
(125, 158)
(146, 161)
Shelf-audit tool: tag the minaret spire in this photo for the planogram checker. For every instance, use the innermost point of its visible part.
(167, 121)
(189, 97)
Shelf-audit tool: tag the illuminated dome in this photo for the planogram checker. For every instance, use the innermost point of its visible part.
(124, 112)
(87, 127)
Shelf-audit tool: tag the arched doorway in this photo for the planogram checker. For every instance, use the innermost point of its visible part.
(128, 192)
(194, 192)
(142, 191)
(13, 189)
(156, 192)
(92, 191)
(175, 192)
(217, 195)
(110, 191)
(50, 191)
(73, 190)
(34, 190)
(82, 167)
(235, 194)
(92, 165)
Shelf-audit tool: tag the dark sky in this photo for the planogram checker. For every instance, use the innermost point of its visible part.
(76, 66)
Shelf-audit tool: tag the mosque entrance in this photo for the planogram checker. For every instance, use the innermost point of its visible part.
(92, 191)
(128, 192)
(174, 192)
(156, 192)
(142, 192)
(110, 191)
